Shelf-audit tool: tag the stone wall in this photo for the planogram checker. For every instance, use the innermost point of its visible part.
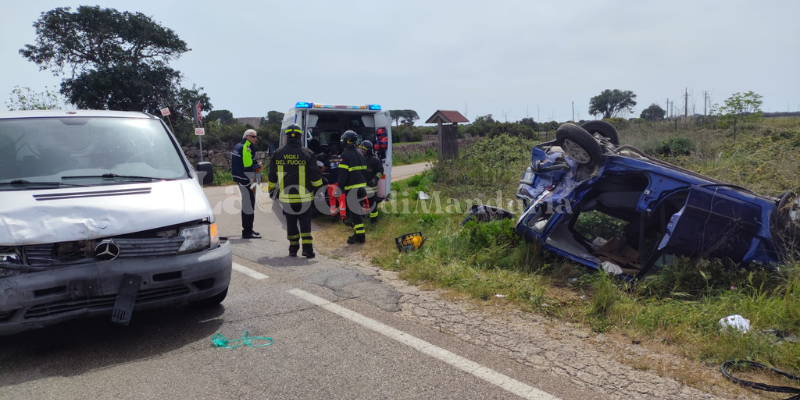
(217, 158)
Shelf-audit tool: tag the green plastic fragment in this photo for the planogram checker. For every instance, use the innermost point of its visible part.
(220, 340)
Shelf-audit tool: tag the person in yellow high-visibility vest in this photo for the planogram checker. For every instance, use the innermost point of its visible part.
(244, 169)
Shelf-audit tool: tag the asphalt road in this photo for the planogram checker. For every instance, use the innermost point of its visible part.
(335, 329)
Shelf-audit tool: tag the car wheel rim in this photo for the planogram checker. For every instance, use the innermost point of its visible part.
(577, 152)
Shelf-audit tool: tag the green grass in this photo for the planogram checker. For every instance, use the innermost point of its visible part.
(415, 157)
(223, 176)
(680, 306)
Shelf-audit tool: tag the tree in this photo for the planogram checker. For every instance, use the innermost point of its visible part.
(611, 102)
(24, 98)
(224, 117)
(653, 113)
(397, 115)
(739, 108)
(110, 59)
(481, 126)
(529, 122)
(274, 118)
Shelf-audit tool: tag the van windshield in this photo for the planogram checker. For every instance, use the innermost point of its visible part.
(85, 151)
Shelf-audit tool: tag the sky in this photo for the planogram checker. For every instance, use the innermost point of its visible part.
(509, 58)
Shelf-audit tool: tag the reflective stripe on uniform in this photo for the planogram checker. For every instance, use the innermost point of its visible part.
(317, 183)
(344, 166)
(359, 228)
(357, 185)
(373, 214)
(358, 168)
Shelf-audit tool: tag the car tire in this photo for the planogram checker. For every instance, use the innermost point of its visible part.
(604, 129)
(213, 300)
(579, 144)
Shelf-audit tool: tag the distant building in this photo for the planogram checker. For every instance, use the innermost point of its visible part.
(253, 121)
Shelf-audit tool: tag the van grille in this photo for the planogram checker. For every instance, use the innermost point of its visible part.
(49, 255)
(101, 303)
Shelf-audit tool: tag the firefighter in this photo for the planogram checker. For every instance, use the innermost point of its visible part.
(352, 184)
(243, 170)
(293, 179)
(372, 175)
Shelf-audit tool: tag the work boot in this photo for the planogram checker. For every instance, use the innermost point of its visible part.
(308, 252)
(348, 222)
(251, 235)
(293, 251)
(356, 238)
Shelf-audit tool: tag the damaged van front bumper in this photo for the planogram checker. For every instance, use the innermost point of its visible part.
(34, 300)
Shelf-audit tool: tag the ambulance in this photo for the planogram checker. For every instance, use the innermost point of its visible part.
(325, 123)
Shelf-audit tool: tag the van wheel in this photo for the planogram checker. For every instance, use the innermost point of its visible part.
(604, 129)
(213, 300)
(579, 144)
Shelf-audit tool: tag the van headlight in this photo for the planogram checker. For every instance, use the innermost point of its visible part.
(198, 238)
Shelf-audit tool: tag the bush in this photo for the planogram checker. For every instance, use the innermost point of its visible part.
(405, 133)
(619, 123)
(677, 146)
(512, 129)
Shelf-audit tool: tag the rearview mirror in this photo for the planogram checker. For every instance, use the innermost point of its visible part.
(205, 173)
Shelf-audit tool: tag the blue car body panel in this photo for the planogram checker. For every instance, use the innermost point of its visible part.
(716, 221)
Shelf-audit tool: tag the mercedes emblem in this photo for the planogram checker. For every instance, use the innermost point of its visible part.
(106, 250)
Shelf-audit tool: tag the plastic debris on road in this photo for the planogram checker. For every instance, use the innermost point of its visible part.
(219, 340)
(736, 321)
(611, 268)
(484, 213)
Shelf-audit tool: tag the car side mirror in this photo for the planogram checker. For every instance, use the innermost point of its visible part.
(205, 173)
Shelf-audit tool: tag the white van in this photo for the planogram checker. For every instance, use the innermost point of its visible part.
(325, 121)
(101, 213)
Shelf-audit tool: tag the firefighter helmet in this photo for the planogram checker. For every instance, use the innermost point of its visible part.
(349, 138)
(366, 146)
(293, 131)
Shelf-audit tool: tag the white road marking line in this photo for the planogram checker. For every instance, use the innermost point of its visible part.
(512, 385)
(249, 272)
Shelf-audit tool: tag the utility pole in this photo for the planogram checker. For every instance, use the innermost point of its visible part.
(526, 111)
(705, 102)
(573, 111)
(686, 103)
(667, 109)
(465, 110)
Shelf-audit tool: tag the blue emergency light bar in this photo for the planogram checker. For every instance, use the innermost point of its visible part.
(303, 104)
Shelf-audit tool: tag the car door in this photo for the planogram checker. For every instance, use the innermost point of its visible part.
(712, 225)
(384, 121)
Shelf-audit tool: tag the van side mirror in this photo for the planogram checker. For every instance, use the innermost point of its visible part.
(205, 173)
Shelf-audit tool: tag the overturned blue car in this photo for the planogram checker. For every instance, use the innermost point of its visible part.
(615, 208)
